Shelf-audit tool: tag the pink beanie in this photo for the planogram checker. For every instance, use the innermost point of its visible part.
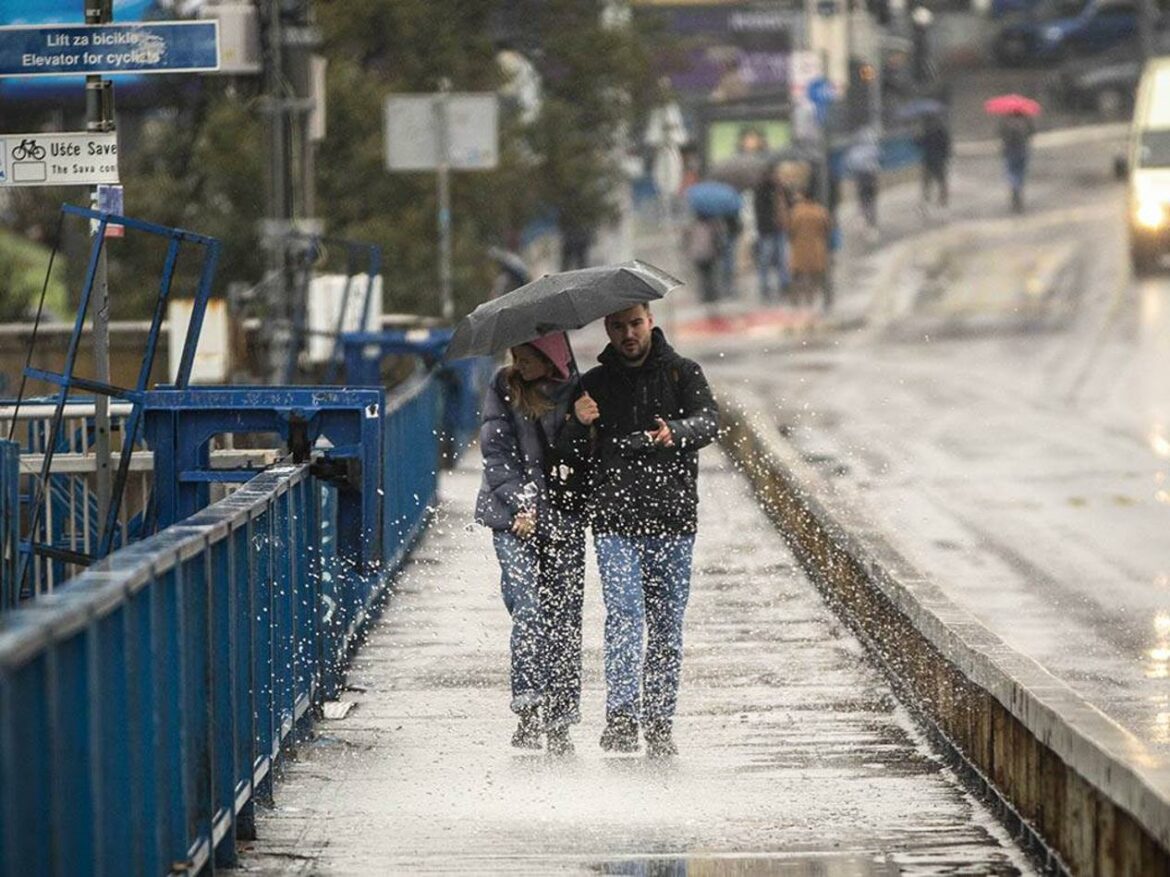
(556, 348)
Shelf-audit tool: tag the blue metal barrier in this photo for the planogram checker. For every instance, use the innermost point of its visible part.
(9, 521)
(463, 381)
(145, 703)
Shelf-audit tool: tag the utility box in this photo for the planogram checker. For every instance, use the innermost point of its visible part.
(239, 37)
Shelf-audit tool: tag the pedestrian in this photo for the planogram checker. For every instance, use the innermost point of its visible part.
(809, 227)
(733, 226)
(704, 242)
(935, 144)
(1015, 134)
(640, 420)
(534, 504)
(576, 241)
(771, 208)
(864, 162)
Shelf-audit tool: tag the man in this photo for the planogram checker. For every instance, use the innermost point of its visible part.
(771, 203)
(641, 418)
(935, 144)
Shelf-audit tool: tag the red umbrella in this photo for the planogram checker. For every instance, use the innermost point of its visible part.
(1008, 104)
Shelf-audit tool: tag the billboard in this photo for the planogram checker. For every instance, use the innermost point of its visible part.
(724, 51)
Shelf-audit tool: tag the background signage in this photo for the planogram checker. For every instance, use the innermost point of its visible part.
(71, 159)
(58, 49)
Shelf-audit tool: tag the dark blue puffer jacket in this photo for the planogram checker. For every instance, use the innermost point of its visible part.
(513, 454)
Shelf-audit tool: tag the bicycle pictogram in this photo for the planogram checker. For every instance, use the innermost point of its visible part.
(28, 150)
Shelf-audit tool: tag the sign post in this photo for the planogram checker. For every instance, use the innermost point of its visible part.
(442, 132)
(90, 158)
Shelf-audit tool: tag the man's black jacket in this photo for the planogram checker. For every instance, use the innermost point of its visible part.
(637, 488)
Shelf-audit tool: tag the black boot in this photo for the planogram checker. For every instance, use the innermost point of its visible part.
(659, 740)
(620, 734)
(559, 742)
(527, 734)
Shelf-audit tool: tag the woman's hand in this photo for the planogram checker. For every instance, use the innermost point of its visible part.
(524, 524)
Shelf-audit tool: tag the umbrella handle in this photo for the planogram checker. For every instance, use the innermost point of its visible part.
(572, 356)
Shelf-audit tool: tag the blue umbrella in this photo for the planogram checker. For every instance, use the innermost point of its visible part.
(920, 107)
(710, 198)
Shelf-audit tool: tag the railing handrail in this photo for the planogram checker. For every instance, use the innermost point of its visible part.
(108, 583)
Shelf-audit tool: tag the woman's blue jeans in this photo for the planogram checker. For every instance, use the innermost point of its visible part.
(645, 582)
(543, 583)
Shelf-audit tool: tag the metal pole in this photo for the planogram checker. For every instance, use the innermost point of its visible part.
(99, 116)
(444, 173)
(279, 202)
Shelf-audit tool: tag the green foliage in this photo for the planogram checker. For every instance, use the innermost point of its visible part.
(200, 162)
(22, 276)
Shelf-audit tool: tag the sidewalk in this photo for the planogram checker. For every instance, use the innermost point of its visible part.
(795, 758)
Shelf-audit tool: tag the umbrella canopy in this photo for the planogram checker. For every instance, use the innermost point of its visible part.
(710, 198)
(1010, 104)
(743, 171)
(556, 302)
(919, 108)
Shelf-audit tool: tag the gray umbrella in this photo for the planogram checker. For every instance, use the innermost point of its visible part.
(556, 302)
(743, 171)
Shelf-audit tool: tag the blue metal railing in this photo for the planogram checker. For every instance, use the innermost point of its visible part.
(143, 704)
(9, 521)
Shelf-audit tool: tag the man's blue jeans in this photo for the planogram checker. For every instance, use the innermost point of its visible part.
(645, 582)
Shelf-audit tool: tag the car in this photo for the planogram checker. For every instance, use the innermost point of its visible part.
(1148, 167)
(1056, 29)
(1105, 84)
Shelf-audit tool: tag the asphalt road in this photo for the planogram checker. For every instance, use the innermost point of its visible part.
(1002, 408)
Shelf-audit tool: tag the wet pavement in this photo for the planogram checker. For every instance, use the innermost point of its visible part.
(1003, 414)
(795, 757)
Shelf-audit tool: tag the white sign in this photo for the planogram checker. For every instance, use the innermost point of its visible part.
(412, 131)
(73, 159)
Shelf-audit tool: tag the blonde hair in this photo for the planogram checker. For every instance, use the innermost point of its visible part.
(528, 397)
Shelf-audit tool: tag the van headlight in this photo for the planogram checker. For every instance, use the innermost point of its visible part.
(1053, 34)
(1150, 214)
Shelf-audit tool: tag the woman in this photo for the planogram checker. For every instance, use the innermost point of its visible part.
(809, 227)
(532, 501)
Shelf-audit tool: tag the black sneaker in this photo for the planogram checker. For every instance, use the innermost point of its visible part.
(527, 734)
(659, 741)
(620, 734)
(559, 742)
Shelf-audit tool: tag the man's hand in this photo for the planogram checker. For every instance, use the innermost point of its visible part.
(662, 435)
(524, 524)
(585, 410)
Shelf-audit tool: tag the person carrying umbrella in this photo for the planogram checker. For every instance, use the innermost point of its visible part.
(641, 418)
(1015, 133)
(531, 496)
(935, 144)
(533, 504)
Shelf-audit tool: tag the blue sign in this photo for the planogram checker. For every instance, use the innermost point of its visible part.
(160, 47)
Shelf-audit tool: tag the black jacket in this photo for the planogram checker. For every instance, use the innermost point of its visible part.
(639, 489)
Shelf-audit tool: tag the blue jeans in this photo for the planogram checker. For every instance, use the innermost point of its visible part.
(645, 582)
(519, 582)
(771, 255)
(543, 584)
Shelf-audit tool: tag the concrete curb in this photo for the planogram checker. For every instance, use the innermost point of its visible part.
(1098, 798)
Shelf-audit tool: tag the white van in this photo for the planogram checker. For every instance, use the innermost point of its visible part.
(1149, 168)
